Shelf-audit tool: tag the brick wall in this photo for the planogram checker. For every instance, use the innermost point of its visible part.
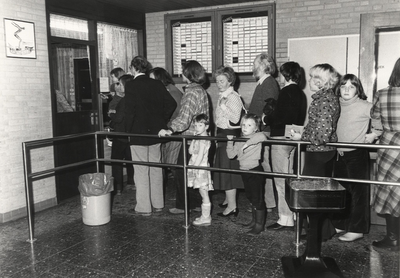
(294, 19)
(25, 109)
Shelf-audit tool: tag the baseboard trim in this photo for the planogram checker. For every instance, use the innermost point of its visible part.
(21, 212)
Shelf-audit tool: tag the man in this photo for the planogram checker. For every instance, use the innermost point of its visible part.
(264, 68)
(148, 108)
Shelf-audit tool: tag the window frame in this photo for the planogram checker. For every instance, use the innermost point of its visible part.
(217, 15)
(169, 18)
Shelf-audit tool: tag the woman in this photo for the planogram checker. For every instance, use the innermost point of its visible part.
(120, 148)
(387, 198)
(194, 102)
(290, 109)
(351, 163)
(227, 113)
(323, 115)
(170, 150)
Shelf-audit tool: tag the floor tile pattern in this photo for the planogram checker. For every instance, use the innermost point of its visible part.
(159, 246)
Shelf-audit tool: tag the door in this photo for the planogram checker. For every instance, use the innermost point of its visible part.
(379, 49)
(72, 81)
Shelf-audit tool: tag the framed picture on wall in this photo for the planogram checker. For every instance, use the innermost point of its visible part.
(20, 39)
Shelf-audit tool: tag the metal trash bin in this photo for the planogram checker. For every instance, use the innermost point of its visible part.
(95, 192)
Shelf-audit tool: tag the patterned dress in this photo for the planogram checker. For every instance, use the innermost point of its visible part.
(386, 107)
(199, 178)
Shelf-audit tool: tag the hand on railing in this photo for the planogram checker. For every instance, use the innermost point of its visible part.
(370, 138)
(164, 132)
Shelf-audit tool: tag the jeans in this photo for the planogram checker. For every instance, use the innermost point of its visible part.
(282, 157)
(356, 218)
(148, 180)
(121, 150)
(254, 187)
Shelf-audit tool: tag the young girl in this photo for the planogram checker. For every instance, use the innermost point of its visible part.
(249, 155)
(198, 178)
(352, 127)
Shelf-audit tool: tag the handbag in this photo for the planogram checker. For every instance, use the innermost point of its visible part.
(268, 111)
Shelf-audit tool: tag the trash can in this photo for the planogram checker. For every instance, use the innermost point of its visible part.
(95, 190)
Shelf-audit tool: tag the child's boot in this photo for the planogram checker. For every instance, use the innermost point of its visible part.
(260, 222)
(253, 219)
(205, 218)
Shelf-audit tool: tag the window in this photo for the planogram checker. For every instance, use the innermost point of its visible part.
(69, 27)
(230, 37)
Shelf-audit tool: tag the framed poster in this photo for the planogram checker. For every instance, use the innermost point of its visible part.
(20, 38)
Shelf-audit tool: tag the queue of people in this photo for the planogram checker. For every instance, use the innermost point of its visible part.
(338, 112)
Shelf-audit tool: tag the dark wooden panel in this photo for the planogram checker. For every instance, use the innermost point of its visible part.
(100, 11)
(151, 6)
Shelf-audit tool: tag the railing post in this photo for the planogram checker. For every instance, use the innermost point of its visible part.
(185, 190)
(298, 216)
(96, 145)
(28, 192)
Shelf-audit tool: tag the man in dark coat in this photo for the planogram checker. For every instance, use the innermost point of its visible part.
(148, 108)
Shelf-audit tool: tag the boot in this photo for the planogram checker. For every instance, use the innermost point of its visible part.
(391, 240)
(253, 220)
(205, 218)
(260, 222)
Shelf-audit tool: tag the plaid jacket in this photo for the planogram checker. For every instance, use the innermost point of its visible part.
(194, 102)
(386, 107)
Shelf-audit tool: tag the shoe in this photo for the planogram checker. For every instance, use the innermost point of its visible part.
(157, 210)
(141, 213)
(387, 243)
(176, 211)
(197, 209)
(222, 205)
(339, 231)
(278, 227)
(391, 240)
(349, 237)
(250, 209)
(269, 210)
(202, 221)
(233, 212)
(119, 192)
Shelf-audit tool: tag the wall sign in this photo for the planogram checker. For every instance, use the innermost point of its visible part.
(20, 38)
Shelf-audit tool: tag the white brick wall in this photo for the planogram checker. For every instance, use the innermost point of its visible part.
(25, 110)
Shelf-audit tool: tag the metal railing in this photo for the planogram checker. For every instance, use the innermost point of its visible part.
(29, 175)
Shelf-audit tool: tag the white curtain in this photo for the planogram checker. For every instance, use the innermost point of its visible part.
(117, 46)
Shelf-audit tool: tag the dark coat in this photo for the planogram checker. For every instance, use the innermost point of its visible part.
(148, 108)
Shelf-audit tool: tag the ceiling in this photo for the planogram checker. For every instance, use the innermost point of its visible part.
(151, 6)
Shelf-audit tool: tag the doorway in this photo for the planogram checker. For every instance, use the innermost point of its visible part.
(77, 112)
(375, 32)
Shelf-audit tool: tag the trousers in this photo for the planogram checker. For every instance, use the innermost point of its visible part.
(148, 180)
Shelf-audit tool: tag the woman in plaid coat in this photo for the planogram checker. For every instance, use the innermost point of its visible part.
(386, 107)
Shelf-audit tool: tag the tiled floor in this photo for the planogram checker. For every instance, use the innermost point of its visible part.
(159, 246)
